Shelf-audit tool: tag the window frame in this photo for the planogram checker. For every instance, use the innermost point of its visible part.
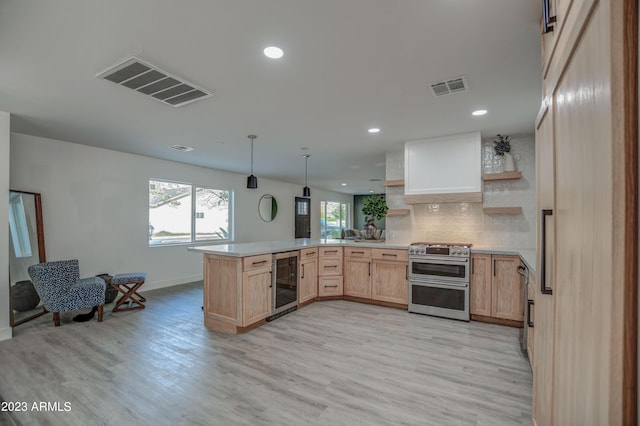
(323, 213)
(194, 188)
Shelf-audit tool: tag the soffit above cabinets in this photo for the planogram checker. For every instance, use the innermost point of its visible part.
(443, 169)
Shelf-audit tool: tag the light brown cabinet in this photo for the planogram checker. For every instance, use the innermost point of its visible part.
(585, 339)
(330, 272)
(308, 286)
(530, 317)
(390, 276)
(357, 272)
(330, 286)
(480, 291)
(544, 303)
(256, 295)
(506, 291)
(495, 287)
(237, 291)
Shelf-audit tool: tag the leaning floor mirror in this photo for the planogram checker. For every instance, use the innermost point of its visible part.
(26, 248)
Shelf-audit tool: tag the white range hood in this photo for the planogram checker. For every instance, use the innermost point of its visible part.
(443, 169)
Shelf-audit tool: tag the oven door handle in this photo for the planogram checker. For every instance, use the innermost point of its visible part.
(439, 260)
(440, 284)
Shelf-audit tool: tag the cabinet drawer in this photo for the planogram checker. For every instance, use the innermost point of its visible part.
(330, 251)
(387, 254)
(357, 252)
(256, 262)
(329, 266)
(330, 286)
(308, 253)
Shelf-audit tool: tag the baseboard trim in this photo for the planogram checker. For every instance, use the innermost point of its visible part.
(500, 321)
(155, 285)
(376, 302)
(6, 333)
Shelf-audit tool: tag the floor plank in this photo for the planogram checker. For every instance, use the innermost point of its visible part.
(334, 362)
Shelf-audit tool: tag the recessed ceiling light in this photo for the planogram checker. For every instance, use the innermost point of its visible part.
(343, 184)
(479, 112)
(374, 130)
(273, 52)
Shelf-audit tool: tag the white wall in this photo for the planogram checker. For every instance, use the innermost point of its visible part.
(95, 207)
(466, 222)
(5, 323)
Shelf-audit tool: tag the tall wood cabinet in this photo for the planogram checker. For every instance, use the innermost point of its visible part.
(585, 334)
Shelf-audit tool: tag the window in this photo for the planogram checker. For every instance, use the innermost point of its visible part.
(181, 213)
(333, 217)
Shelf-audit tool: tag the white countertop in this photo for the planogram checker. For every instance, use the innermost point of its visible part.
(263, 247)
(528, 255)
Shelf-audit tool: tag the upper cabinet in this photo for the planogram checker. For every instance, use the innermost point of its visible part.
(443, 169)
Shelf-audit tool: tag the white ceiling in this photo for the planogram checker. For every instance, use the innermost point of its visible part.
(348, 65)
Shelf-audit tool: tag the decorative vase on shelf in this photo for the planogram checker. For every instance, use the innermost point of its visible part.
(509, 164)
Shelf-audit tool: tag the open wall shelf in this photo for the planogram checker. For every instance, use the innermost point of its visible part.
(502, 210)
(502, 176)
(398, 182)
(398, 212)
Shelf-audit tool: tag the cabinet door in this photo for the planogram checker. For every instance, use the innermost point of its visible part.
(256, 295)
(308, 289)
(480, 284)
(531, 311)
(506, 292)
(544, 322)
(357, 277)
(390, 282)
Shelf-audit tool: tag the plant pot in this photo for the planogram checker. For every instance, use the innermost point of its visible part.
(24, 296)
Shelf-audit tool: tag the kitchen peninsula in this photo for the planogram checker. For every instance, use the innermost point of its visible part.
(247, 284)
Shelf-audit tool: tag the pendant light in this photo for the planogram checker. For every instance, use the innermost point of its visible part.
(306, 192)
(252, 181)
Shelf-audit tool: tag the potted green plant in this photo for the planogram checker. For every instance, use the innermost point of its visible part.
(374, 208)
(502, 148)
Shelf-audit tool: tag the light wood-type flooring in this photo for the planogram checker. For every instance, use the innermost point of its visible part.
(330, 363)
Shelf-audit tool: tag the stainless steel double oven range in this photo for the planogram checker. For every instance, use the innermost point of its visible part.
(439, 277)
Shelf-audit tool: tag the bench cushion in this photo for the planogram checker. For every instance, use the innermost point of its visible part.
(131, 277)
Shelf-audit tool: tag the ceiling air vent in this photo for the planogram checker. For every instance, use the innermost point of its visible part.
(447, 87)
(182, 148)
(154, 82)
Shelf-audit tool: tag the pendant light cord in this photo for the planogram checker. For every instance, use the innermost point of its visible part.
(253, 138)
(306, 158)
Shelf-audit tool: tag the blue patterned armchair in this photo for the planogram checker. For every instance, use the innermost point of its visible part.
(59, 286)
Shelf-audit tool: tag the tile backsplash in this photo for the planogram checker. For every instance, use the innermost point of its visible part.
(466, 222)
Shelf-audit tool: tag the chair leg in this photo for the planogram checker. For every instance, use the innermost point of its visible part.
(100, 312)
(56, 319)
